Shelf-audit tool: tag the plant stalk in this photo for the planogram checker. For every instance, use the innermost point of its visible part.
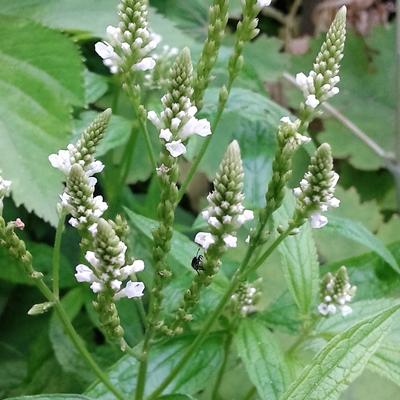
(57, 255)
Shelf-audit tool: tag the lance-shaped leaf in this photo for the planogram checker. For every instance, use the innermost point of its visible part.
(342, 360)
(263, 359)
(299, 260)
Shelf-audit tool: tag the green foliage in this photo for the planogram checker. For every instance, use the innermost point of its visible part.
(342, 360)
(299, 261)
(190, 380)
(263, 359)
(38, 89)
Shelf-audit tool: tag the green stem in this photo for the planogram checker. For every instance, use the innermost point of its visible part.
(197, 160)
(56, 256)
(141, 380)
(76, 340)
(239, 275)
(227, 346)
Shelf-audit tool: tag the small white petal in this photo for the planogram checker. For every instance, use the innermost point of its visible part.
(61, 161)
(153, 118)
(84, 273)
(93, 229)
(323, 309)
(176, 148)
(318, 220)
(346, 310)
(213, 221)
(104, 50)
(146, 64)
(263, 3)
(115, 284)
(194, 126)
(312, 101)
(92, 259)
(230, 240)
(204, 239)
(165, 134)
(96, 287)
(94, 168)
(247, 215)
(132, 289)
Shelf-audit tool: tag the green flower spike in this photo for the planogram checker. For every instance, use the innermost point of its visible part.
(218, 18)
(321, 82)
(316, 191)
(224, 216)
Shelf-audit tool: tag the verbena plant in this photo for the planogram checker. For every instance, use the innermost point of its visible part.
(192, 327)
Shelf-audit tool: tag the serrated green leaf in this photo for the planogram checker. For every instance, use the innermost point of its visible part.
(355, 231)
(262, 358)
(163, 356)
(386, 362)
(299, 260)
(342, 360)
(95, 86)
(38, 88)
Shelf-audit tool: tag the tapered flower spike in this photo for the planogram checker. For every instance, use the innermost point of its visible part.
(106, 272)
(336, 293)
(244, 300)
(128, 45)
(177, 122)
(316, 191)
(224, 216)
(321, 82)
(82, 152)
(218, 18)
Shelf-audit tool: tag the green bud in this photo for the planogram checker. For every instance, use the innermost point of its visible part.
(41, 308)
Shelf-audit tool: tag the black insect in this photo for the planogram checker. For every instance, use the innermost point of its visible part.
(197, 262)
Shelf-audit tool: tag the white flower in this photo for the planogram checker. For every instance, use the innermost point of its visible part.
(92, 259)
(213, 221)
(247, 215)
(93, 229)
(146, 64)
(165, 134)
(99, 206)
(96, 287)
(345, 310)
(115, 284)
(61, 161)
(136, 266)
(302, 81)
(153, 118)
(230, 240)
(94, 168)
(4, 187)
(109, 56)
(317, 220)
(196, 126)
(176, 148)
(312, 101)
(263, 3)
(132, 289)
(301, 139)
(204, 239)
(84, 273)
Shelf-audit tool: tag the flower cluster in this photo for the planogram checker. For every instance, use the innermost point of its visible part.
(128, 45)
(245, 299)
(4, 191)
(225, 213)
(336, 293)
(79, 165)
(321, 82)
(177, 121)
(108, 267)
(316, 192)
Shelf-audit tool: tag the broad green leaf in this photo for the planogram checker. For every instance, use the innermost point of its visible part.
(13, 367)
(342, 360)
(66, 353)
(282, 313)
(176, 397)
(355, 231)
(386, 362)
(194, 377)
(299, 260)
(38, 88)
(12, 271)
(90, 17)
(61, 396)
(95, 86)
(262, 358)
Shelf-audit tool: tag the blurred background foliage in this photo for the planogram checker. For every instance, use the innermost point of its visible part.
(52, 84)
